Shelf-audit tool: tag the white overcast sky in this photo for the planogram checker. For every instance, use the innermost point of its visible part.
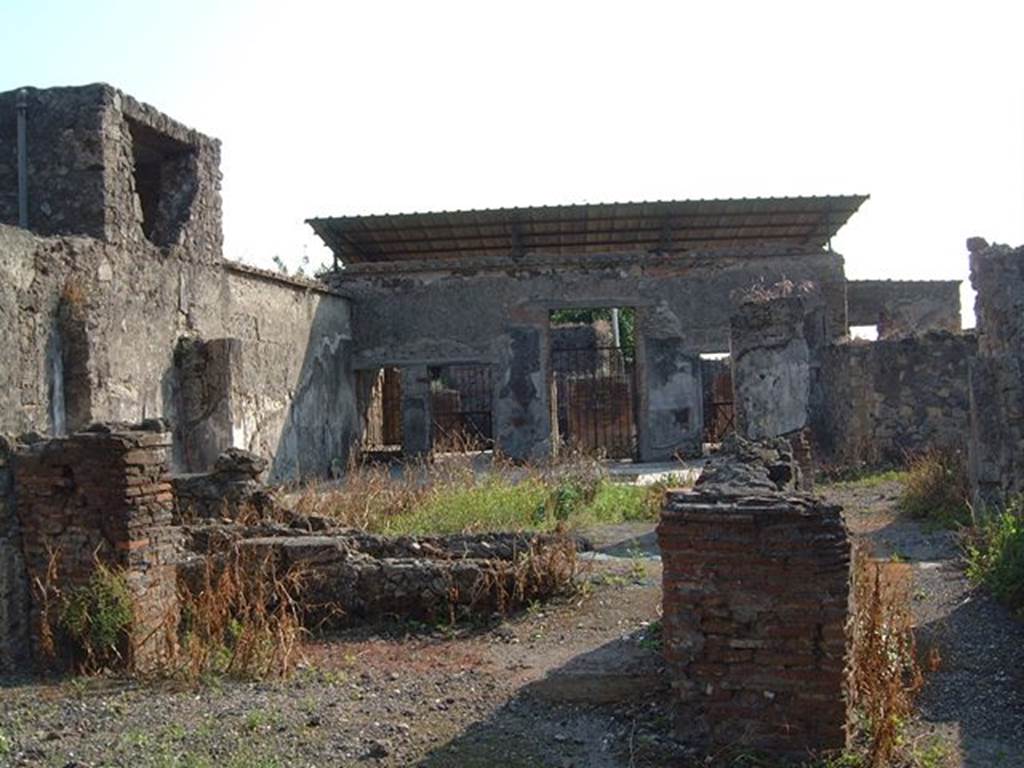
(370, 107)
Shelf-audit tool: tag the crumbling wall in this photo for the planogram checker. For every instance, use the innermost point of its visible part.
(484, 310)
(904, 307)
(99, 497)
(88, 152)
(755, 594)
(772, 354)
(95, 321)
(889, 399)
(997, 373)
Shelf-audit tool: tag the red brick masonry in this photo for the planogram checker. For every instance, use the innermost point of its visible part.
(756, 593)
(101, 496)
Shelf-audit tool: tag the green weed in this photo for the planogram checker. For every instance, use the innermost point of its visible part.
(97, 618)
(995, 555)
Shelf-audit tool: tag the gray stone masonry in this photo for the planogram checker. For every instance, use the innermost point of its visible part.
(997, 373)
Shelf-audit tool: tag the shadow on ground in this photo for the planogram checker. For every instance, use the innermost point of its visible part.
(601, 709)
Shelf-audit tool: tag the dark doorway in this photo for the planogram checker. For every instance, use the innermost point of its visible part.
(593, 382)
(382, 419)
(461, 408)
(719, 409)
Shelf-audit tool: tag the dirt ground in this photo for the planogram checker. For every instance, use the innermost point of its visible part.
(571, 683)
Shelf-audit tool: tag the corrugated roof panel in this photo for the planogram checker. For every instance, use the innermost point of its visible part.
(589, 228)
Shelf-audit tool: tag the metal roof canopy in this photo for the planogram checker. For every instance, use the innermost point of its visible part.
(665, 226)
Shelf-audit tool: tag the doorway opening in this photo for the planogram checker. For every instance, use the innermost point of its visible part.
(593, 381)
(461, 408)
(381, 395)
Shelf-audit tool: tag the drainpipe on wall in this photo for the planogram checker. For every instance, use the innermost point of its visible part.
(615, 327)
(22, 107)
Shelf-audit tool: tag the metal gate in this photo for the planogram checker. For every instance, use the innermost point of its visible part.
(719, 408)
(461, 406)
(594, 390)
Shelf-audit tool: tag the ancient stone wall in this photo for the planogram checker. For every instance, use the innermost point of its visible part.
(104, 165)
(889, 399)
(95, 313)
(97, 325)
(755, 592)
(774, 352)
(904, 307)
(997, 373)
(99, 497)
(483, 310)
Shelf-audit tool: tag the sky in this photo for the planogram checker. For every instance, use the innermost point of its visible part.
(341, 108)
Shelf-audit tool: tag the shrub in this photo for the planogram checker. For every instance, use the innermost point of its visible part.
(885, 674)
(936, 488)
(97, 617)
(995, 555)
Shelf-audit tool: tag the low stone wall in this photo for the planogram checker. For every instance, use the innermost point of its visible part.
(997, 373)
(347, 576)
(99, 497)
(756, 588)
(888, 399)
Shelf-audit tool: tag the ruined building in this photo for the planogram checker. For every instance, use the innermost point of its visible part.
(118, 306)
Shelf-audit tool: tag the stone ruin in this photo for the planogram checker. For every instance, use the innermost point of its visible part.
(997, 373)
(104, 496)
(121, 309)
(755, 596)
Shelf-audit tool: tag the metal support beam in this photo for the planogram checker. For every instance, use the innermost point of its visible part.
(22, 107)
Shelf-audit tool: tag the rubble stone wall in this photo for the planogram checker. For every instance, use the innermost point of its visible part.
(772, 350)
(997, 373)
(100, 497)
(755, 594)
(121, 260)
(888, 399)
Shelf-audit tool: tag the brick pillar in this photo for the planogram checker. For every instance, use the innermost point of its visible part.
(755, 605)
(101, 496)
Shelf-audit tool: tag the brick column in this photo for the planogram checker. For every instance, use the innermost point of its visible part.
(755, 604)
(101, 497)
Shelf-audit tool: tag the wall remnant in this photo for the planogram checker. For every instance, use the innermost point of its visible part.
(904, 307)
(997, 373)
(101, 496)
(121, 260)
(890, 399)
(755, 594)
(775, 349)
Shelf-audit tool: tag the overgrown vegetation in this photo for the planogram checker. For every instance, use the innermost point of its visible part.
(97, 618)
(936, 488)
(885, 673)
(995, 554)
(240, 620)
(452, 498)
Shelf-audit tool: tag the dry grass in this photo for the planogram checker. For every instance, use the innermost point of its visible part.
(549, 568)
(241, 620)
(448, 495)
(936, 488)
(885, 675)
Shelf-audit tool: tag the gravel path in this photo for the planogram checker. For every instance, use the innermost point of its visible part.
(972, 705)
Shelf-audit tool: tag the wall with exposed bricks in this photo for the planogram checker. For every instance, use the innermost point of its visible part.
(99, 497)
(755, 605)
